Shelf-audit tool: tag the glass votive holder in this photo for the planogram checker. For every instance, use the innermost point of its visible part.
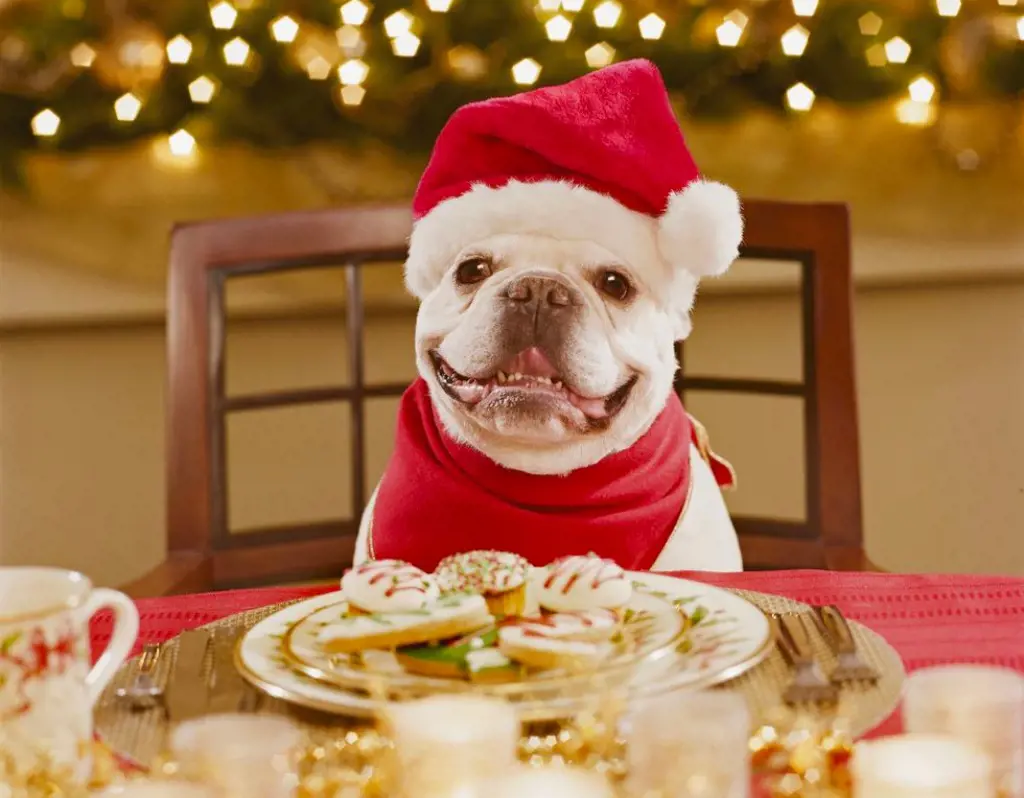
(688, 744)
(978, 704)
(921, 766)
(244, 756)
(552, 781)
(449, 746)
(158, 789)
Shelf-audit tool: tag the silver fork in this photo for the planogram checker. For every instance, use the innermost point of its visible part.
(142, 692)
(850, 667)
(809, 685)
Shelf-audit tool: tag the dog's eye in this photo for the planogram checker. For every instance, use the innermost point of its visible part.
(472, 270)
(615, 285)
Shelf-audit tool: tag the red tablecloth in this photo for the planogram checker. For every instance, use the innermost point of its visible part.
(928, 619)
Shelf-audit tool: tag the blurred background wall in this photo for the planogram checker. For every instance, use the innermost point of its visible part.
(933, 177)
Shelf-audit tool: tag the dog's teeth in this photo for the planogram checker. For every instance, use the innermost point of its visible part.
(501, 377)
(517, 376)
(557, 384)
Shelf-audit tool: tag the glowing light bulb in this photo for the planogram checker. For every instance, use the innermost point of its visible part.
(46, 123)
(236, 52)
(318, 68)
(1007, 3)
(352, 95)
(353, 72)
(82, 55)
(284, 29)
(354, 12)
(794, 41)
(573, 5)
(607, 14)
(526, 72)
(921, 90)
(652, 26)
(179, 50)
(351, 41)
(1020, 28)
(398, 23)
(947, 8)
(127, 107)
(897, 50)
(439, 6)
(916, 114)
(800, 97)
(202, 89)
(805, 8)
(405, 45)
(223, 15)
(600, 55)
(558, 28)
(549, 5)
(729, 33)
(181, 143)
(870, 24)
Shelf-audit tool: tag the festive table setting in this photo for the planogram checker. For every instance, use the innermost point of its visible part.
(767, 684)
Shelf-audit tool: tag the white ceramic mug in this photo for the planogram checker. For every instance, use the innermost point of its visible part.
(47, 688)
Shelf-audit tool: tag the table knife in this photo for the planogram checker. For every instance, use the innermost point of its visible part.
(187, 693)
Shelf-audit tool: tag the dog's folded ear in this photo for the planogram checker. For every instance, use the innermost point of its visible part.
(701, 229)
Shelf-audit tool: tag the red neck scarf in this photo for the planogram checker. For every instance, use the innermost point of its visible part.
(439, 497)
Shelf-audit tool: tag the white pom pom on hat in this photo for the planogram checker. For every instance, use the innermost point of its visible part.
(600, 158)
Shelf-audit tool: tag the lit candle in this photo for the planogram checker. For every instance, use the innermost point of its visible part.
(448, 746)
(250, 755)
(549, 782)
(921, 766)
(980, 705)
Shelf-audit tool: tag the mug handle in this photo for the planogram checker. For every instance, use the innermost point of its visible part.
(122, 640)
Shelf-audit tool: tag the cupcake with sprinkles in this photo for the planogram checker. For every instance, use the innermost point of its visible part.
(499, 576)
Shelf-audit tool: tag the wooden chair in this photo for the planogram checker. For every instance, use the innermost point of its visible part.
(203, 554)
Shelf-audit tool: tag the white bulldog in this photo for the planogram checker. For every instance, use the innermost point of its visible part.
(548, 316)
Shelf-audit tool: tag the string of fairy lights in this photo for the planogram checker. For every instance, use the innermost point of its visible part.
(339, 54)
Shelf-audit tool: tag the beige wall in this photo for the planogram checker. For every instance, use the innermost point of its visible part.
(941, 385)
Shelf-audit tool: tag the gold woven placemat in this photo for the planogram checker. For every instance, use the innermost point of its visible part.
(141, 736)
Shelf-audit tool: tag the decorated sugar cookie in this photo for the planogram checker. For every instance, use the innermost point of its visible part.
(389, 586)
(451, 616)
(474, 657)
(559, 640)
(499, 576)
(583, 583)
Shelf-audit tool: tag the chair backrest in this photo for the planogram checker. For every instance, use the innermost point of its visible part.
(817, 237)
(205, 553)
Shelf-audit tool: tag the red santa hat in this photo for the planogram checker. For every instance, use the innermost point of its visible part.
(599, 158)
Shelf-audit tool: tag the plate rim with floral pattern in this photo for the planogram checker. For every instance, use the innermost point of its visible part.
(732, 637)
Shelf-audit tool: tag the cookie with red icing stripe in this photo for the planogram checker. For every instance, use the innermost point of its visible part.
(383, 586)
(561, 639)
(584, 582)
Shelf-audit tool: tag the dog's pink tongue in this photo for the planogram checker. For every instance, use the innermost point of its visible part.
(531, 362)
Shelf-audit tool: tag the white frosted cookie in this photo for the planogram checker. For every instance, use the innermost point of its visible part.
(583, 583)
(561, 639)
(500, 576)
(389, 586)
(447, 617)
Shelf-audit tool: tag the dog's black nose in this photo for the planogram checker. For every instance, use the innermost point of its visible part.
(547, 290)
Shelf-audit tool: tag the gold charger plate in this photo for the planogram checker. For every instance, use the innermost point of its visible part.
(141, 736)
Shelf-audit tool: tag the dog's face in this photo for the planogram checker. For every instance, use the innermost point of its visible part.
(547, 354)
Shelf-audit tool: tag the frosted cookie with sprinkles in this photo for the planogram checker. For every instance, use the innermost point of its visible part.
(499, 576)
(585, 582)
(388, 586)
(447, 617)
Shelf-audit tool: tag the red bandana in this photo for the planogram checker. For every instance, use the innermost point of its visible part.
(439, 497)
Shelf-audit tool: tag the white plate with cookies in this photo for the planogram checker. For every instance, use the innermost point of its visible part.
(489, 622)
